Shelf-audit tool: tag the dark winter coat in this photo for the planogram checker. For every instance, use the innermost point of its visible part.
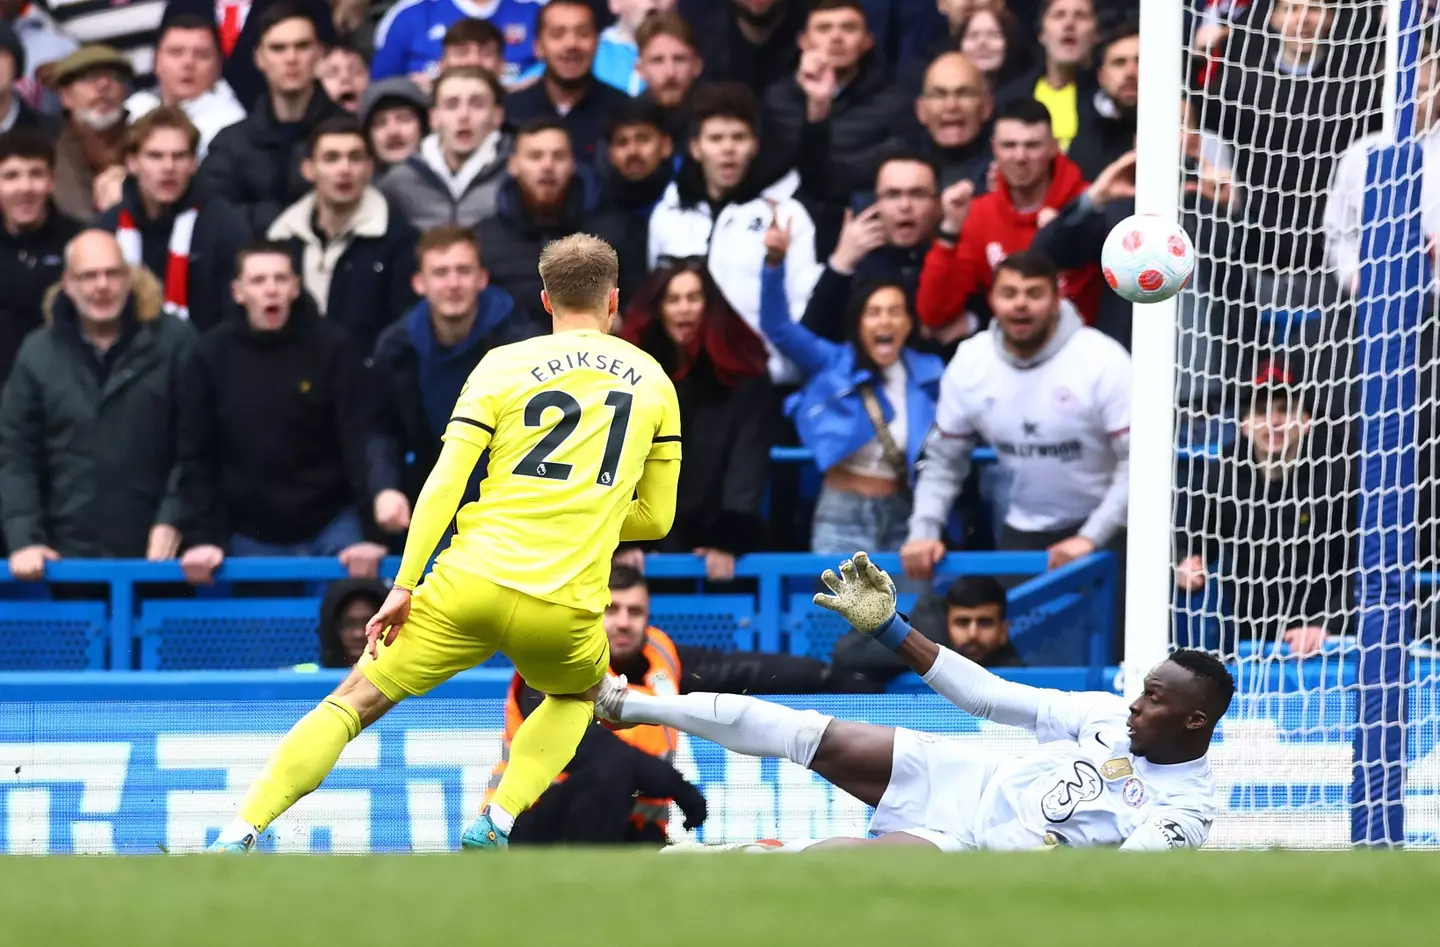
(30, 263)
(1281, 545)
(88, 447)
(728, 435)
(966, 163)
(511, 241)
(1107, 131)
(255, 164)
(730, 57)
(366, 272)
(413, 374)
(221, 232)
(1073, 240)
(1285, 156)
(587, 121)
(275, 430)
(830, 301)
(634, 201)
(866, 122)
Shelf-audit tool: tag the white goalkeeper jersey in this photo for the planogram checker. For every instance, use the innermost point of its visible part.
(1054, 422)
(1083, 787)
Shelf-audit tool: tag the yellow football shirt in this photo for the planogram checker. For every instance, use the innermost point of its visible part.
(569, 420)
(1064, 113)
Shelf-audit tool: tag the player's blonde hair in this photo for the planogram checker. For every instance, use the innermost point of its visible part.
(579, 272)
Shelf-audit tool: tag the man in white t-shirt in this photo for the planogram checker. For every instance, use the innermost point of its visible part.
(1052, 396)
(1105, 773)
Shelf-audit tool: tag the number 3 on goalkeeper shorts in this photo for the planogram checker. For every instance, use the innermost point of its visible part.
(536, 463)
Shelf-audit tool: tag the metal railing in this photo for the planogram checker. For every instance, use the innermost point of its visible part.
(1087, 585)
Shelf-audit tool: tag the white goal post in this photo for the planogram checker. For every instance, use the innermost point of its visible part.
(1306, 130)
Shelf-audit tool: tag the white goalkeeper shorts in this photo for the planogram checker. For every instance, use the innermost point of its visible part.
(934, 791)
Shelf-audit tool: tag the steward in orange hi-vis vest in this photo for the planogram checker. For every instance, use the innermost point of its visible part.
(651, 813)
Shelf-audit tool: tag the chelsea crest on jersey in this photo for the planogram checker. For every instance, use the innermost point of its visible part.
(1084, 787)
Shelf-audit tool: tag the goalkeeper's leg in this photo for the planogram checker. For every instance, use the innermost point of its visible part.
(304, 758)
(855, 757)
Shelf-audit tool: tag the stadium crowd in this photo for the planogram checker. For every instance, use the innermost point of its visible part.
(252, 250)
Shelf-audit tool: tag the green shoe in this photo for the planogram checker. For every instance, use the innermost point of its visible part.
(482, 833)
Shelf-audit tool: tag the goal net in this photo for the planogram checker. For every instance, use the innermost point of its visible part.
(1305, 435)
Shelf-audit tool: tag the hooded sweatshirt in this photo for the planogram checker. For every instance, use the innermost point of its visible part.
(338, 596)
(1059, 422)
(424, 191)
(730, 235)
(995, 229)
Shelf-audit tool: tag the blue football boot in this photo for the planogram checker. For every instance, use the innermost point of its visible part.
(482, 833)
(241, 847)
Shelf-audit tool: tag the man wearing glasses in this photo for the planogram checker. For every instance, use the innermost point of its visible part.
(954, 109)
(87, 420)
(887, 240)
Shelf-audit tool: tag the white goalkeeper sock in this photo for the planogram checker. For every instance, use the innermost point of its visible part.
(743, 724)
(501, 819)
(238, 831)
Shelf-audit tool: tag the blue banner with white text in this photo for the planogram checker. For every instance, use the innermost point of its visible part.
(153, 776)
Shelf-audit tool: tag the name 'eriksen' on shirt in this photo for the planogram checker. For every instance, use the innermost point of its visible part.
(595, 360)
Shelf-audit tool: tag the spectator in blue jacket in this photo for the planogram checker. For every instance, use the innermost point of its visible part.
(355, 255)
(421, 362)
(869, 467)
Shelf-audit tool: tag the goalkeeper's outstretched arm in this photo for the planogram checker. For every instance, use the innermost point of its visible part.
(865, 596)
(966, 684)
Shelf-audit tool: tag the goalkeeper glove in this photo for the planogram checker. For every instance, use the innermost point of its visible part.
(864, 595)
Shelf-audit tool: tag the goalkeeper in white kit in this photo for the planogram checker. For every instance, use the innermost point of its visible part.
(1106, 772)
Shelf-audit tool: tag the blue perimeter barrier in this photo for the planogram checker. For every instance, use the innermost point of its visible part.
(1060, 617)
(137, 762)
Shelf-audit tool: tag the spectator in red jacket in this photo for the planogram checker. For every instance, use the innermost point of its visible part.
(1033, 181)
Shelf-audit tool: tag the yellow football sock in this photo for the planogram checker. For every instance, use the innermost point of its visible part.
(543, 745)
(301, 762)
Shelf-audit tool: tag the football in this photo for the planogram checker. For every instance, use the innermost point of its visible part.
(1147, 258)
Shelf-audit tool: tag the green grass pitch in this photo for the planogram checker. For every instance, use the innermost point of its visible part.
(894, 898)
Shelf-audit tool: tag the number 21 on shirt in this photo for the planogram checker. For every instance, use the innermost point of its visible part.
(537, 462)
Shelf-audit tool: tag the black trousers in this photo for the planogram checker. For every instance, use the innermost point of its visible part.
(591, 807)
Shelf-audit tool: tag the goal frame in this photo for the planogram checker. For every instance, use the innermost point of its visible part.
(1390, 308)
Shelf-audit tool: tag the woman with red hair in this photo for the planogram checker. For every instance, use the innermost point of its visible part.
(718, 365)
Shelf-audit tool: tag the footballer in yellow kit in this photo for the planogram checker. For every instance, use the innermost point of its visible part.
(583, 434)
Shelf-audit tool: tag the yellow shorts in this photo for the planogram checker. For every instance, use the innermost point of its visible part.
(458, 621)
